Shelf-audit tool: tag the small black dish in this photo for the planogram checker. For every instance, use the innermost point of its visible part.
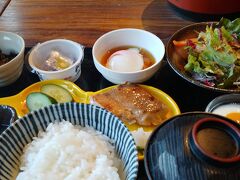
(168, 154)
(177, 56)
(215, 141)
(7, 116)
(226, 105)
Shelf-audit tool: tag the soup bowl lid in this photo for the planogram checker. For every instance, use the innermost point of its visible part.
(168, 154)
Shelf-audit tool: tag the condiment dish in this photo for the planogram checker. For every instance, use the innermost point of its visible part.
(43, 64)
(227, 105)
(8, 115)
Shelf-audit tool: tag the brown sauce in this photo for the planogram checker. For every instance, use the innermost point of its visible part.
(147, 56)
(217, 142)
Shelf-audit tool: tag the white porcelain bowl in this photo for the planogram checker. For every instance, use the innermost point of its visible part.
(128, 37)
(10, 72)
(70, 49)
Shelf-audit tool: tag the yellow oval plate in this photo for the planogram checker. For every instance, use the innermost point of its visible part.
(19, 101)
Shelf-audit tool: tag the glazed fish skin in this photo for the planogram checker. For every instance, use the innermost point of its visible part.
(107, 101)
(133, 104)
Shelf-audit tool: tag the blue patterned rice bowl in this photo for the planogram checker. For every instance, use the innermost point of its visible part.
(18, 135)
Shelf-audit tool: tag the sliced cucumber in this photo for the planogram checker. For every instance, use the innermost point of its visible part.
(60, 94)
(36, 100)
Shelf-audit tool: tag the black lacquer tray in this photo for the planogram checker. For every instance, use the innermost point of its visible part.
(188, 96)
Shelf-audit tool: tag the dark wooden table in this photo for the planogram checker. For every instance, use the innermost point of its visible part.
(85, 21)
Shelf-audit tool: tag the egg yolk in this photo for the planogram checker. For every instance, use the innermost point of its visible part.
(234, 116)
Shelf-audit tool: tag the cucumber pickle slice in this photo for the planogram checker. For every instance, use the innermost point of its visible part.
(60, 94)
(36, 100)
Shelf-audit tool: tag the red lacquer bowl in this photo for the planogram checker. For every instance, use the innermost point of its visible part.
(208, 6)
(216, 141)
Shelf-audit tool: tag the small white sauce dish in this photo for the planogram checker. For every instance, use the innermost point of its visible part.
(226, 105)
(11, 71)
(128, 37)
(67, 48)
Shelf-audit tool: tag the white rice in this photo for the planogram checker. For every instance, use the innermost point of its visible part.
(69, 152)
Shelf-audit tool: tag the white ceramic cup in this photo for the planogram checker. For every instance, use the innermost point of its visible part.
(41, 52)
(12, 70)
(128, 37)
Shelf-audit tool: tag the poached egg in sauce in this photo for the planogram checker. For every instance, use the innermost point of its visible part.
(129, 60)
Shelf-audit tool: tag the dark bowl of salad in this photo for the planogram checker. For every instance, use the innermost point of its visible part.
(207, 54)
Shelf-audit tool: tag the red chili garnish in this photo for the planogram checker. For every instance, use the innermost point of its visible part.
(206, 82)
(190, 43)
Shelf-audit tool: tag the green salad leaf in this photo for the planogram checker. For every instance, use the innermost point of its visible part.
(233, 78)
(231, 26)
(215, 58)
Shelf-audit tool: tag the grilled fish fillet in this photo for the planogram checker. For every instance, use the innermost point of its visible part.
(132, 104)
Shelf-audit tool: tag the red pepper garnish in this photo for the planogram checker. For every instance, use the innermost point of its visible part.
(184, 42)
(190, 43)
(206, 82)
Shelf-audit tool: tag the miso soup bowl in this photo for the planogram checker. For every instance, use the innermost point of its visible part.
(11, 71)
(41, 52)
(128, 37)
